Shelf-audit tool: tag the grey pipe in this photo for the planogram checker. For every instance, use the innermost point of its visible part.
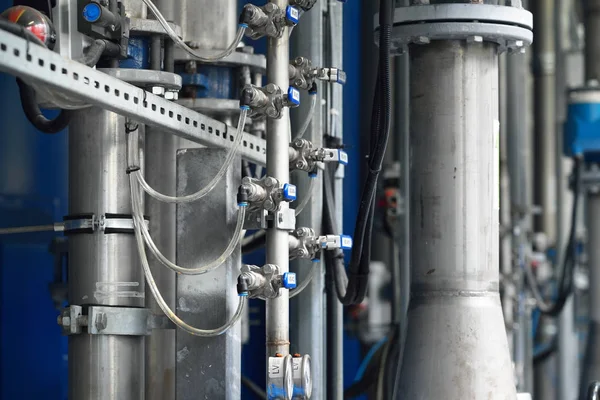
(456, 346)
(277, 310)
(103, 268)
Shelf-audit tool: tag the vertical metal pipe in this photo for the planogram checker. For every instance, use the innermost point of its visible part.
(520, 166)
(591, 367)
(308, 311)
(545, 162)
(545, 132)
(335, 311)
(160, 346)
(456, 345)
(277, 319)
(569, 364)
(103, 268)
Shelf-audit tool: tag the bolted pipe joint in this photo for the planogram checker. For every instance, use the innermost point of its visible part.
(264, 282)
(304, 76)
(266, 193)
(268, 20)
(269, 100)
(305, 157)
(305, 244)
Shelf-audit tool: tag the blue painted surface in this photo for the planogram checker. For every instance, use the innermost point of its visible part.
(352, 122)
(33, 191)
(138, 53)
(212, 82)
(582, 131)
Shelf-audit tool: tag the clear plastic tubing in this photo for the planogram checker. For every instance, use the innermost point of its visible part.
(307, 197)
(211, 185)
(135, 202)
(309, 117)
(200, 57)
(304, 284)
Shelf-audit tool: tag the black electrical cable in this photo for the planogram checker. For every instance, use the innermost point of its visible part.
(254, 388)
(543, 355)
(565, 280)
(94, 52)
(27, 94)
(34, 113)
(358, 270)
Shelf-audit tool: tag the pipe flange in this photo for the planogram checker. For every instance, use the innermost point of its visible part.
(146, 78)
(220, 107)
(256, 62)
(510, 27)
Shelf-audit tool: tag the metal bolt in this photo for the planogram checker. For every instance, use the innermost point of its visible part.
(271, 88)
(475, 39)
(300, 164)
(268, 204)
(270, 7)
(421, 40)
(101, 321)
(268, 268)
(272, 112)
(270, 182)
(302, 253)
(298, 82)
(171, 95)
(66, 321)
(158, 90)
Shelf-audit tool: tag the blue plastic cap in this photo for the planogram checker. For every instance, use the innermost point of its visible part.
(289, 280)
(343, 157)
(345, 242)
(244, 108)
(313, 175)
(294, 95)
(289, 192)
(92, 12)
(292, 14)
(243, 204)
(243, 294)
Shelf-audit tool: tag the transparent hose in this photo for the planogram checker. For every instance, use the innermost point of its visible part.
(309, 117)
(211, 185)
(304, 284)
(306, 197)
(181, 43)
(138, 216)
(135, 199)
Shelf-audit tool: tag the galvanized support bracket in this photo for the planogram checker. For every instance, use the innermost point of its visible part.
(105, 320)
(42, 66)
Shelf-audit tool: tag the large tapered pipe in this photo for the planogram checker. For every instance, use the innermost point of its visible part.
(456, 346)
(103, 267)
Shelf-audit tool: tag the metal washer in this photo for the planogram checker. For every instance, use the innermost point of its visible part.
(509, 27)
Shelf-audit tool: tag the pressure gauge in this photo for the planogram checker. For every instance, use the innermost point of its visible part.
(302, 377)
(280, 385)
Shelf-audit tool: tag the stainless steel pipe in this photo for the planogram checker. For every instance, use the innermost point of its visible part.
(456, 347)
(103, 267)
(278, 310)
